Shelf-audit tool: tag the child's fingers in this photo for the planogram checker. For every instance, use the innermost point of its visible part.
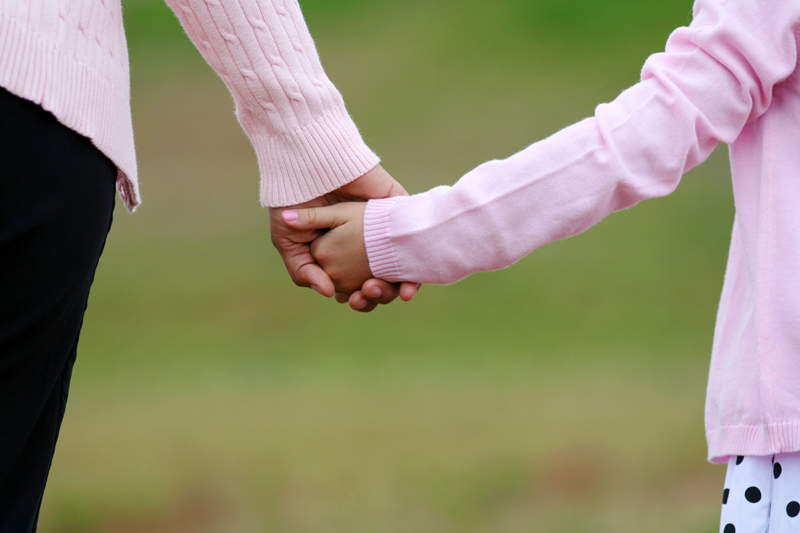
(316, 217)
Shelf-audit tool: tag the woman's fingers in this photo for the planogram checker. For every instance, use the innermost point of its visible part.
(379, 291)
(296, 255)
(359, 303)
(408, 290)
(341, 297)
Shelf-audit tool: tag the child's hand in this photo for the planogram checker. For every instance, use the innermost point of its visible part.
(340, 251)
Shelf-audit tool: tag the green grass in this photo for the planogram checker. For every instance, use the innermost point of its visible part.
(561, 394)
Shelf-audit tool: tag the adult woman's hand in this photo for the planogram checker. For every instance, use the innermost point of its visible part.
(294, 245)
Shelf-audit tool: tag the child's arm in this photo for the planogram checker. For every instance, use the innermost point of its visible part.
(715, 81)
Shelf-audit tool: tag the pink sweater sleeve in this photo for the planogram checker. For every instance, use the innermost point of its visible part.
(714, 77)
(306, 143)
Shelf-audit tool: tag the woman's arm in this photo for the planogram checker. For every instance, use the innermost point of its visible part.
(309, 150)
(307, 144)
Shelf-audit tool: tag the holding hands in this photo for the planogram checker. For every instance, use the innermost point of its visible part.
(340, 251)
(334, 262)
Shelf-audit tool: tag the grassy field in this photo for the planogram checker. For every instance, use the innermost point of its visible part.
(563, 394)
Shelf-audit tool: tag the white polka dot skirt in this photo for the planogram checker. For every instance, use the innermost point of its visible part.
(762, 495)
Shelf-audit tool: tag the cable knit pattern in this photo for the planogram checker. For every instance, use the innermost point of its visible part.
(70, 57)
(306, 143)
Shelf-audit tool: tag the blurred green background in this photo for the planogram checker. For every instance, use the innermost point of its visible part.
(563, 394)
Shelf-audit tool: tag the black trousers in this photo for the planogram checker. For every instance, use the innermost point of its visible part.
(56, 200)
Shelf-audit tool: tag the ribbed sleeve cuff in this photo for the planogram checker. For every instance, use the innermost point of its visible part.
(306, 164)
(377, 237)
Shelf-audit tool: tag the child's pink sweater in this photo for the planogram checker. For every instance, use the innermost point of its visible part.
(729, 77)
(70, 57)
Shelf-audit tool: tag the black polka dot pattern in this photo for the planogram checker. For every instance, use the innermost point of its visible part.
(761, 493)
(753, 495)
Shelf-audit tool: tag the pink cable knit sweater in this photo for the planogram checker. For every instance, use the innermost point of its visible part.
(70, 57)
(731, 77)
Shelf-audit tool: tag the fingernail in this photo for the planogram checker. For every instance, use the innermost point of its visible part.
(289, 216)
(374, 292)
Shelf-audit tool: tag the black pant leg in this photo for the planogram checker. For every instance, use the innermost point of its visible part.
(56, 201)
(21, 493)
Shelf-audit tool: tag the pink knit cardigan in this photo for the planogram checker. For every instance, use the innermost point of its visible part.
(70, 57)
(731, 77)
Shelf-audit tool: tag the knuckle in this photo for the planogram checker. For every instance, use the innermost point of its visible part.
(320, 252)
(322, 255)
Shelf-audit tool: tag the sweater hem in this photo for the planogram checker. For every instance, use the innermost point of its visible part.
(74, 93)
(765, 439)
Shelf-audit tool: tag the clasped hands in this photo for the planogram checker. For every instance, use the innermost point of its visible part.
(334, 262)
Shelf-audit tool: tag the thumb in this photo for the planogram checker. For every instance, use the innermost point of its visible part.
(315, 217)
